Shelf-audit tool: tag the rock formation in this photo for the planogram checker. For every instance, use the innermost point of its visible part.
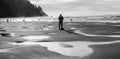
(19, 8)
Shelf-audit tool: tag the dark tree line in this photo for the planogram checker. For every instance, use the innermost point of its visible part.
(19, 8)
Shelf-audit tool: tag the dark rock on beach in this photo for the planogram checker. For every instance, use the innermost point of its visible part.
(3, 30)
(6, 34)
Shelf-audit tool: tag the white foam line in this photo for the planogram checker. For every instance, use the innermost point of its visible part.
(115, 25)
(35, 38)
(50, 26)
(4, 50)
(73, 28)
(46, 28)
(103, 43)
(13, 34)
(79, 32)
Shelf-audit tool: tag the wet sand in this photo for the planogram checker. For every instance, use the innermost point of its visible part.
(43, 40)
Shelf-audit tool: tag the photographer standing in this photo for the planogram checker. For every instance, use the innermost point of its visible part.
(61, 18)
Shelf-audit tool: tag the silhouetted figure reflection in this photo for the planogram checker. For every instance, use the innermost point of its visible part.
(7, 20)
(71, 20)
(61, 18)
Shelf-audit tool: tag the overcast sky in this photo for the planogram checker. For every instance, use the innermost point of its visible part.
(79, 7)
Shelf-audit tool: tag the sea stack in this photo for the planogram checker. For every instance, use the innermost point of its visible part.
(19, 8)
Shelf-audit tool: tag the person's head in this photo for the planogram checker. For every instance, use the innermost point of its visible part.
(60, 14)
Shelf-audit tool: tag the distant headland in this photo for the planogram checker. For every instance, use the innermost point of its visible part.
(19, 8)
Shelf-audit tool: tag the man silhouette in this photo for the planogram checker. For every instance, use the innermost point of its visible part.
(61, 18)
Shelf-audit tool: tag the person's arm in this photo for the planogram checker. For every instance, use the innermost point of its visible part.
(63, 18)
(58, 18)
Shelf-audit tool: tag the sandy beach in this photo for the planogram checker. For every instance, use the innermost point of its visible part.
(43, 40)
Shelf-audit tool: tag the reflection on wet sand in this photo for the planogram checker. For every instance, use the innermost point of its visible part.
(85, 34)
(76, 48)
(80, 49)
